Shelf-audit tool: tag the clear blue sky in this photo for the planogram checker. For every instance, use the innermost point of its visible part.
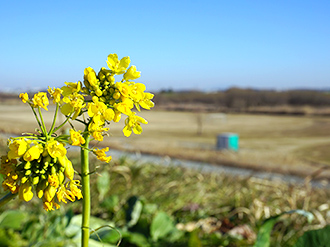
(205, 45)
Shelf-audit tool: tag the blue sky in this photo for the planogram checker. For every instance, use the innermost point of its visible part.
(204, 45)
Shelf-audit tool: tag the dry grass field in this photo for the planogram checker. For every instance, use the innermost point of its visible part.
(288, 144)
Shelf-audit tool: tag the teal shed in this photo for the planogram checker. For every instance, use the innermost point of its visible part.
(228, 141)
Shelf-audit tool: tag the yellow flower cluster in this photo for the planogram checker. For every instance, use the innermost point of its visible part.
(111, 99)
(33, 167)
(37, 164)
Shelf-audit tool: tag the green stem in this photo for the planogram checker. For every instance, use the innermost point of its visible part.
(54, 120)
(66, 120)
(85, 191)
(36, 116)
(6, 198)
(43, 128)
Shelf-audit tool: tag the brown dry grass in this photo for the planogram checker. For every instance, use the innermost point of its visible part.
(288, 144)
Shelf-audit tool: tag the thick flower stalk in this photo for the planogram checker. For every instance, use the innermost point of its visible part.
(37, 165)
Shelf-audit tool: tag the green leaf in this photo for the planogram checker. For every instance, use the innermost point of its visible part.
(111, 202)
(103, 184)
(111, 236)
(13, 219)
(263, 238)
(138, 239)
(133, 211)
(161, 225)
(320, 238)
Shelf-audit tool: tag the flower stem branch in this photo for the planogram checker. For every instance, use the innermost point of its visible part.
(6, 198)
(54, 120)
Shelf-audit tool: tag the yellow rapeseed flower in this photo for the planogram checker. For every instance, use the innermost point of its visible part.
(56, 94)
(123, 88)
(17, 148)
(132, 123)
(40, 99)
(33, 153)
(24, 97)
(74, 188)
(53, 180)
(76, 139)
(49, 193)
(101, 155)
(118, 67)
(131, 73)
(55, 149)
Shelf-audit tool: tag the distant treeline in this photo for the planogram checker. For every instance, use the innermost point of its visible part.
(245, 98)
(300, 102)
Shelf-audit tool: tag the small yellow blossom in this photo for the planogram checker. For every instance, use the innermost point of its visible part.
(63, 194)
(56, 94)
(101, 155)
(49, 205)
(73, 104)
(76, 139)
(33, 153)
(53, 180)
(17, 148)
(49, 193)
(132, 123)
(75, 190)
(123, 88)
(40, 99)
(146, 102)
(118, 67)
(24, 97)
(71, 88)
(132, 74)
(55, 149)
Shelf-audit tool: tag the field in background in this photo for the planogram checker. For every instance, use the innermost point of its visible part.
(287, 144)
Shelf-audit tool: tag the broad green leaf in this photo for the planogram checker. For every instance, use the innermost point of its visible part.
(263, 238)
(13, 219)
(161, 225)
(319, 238)
(110, 202)
(111, 236)
(138, 239)
(133, 211)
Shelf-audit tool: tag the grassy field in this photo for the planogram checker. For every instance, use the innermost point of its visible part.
(190, 198)
(287, 144)
(213, 209)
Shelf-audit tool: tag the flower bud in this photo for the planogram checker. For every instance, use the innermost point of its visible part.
(69, 171)
(35, 180)
(40, 193)
(40, 189)
(25, 192)
(53, 170)
(49, 193)
(23, 180)
(61, 177)
(27, 165)
(62, 160)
